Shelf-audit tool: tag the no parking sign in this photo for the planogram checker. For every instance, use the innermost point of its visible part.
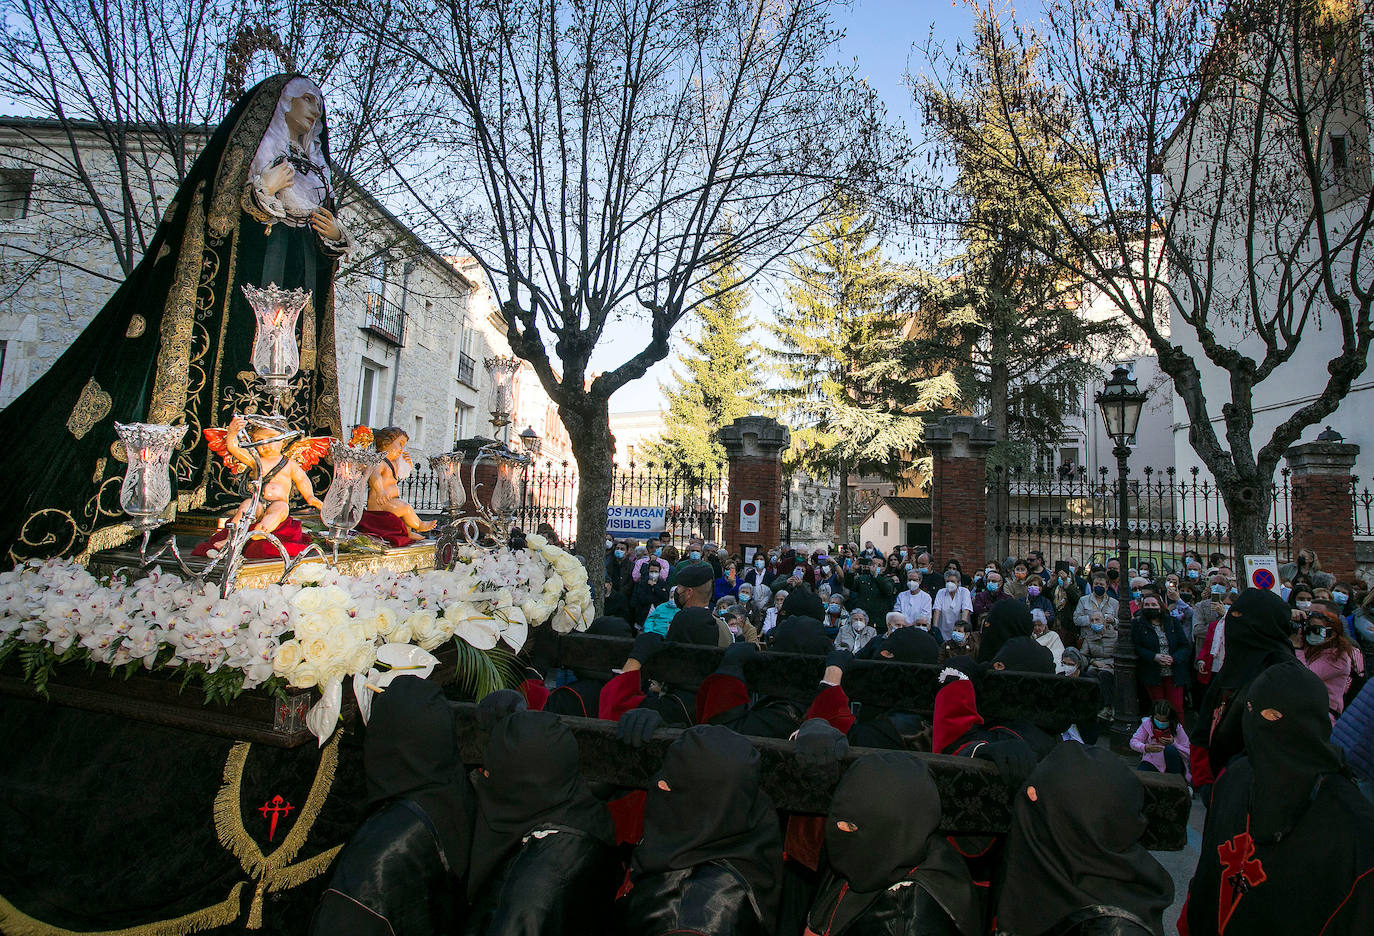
(749, 516)
(1262, 572)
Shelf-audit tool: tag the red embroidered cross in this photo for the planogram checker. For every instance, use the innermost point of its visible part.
(276, 807)
(1240, 871)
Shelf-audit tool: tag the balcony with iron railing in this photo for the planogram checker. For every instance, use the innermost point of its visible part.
(466, 369)
(385, 319)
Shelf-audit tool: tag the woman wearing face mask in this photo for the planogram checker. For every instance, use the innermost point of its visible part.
(1330, 654)
(992, 593)
(755, 572)
(1096, 620)
(854, 633)
(952, 603)
(770, 617)
(650, 590)
(1046, 636)
(1036, 599)
(963, 641)
(914, 604)
(836, 617)
(1164, 652)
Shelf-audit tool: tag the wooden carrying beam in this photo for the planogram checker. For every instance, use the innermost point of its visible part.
(1049, 702)
(973, 798)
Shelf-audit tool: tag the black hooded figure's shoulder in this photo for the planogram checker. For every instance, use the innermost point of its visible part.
(555, 884)
(391, 873)
(710, 899)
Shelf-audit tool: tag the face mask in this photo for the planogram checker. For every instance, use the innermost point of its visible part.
(1135, 595)
(1192, 573)
(1159, 725)
(1099, 590)
(1315, 636)
(951, 587)
(620, 554)
(1072, 569)
(993, 586)
(745, 594)
(848, 563)
(834, 609)
(609, 544)
(1234, 590)
(653, 577)
(1304, 605)
(913, 586)
(1340, 597)
(1150, 614)
(1033, 591)
(923, 569)
(1020, 574)
(1218, 589)
(958, 637)
(1097, 627)
(908, 567)
(658, 551)
(1113, 574)
(1063, 580)
(677, 598)
(694, 554)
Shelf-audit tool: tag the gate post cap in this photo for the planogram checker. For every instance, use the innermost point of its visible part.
(754, 435)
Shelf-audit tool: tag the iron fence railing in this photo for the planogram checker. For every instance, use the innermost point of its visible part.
(1075, 515)
(696, 497)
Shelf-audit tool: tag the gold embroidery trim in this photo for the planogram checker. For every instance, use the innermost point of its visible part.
(168, 401)
(273, 872)
(92, 405)
(14, 922)
(137, 326)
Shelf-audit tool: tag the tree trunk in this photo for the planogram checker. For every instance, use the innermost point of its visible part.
(1249, 501)
(999, 499)
(589, 427)
(842, 504)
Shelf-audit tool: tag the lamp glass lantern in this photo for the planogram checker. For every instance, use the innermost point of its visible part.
(276, 355)
(448, 469)
(1121, 401)
(147, 487)
(347, 495)
(502, 371)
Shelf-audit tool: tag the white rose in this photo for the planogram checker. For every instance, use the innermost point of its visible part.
(309, 573)
(308, 600)
(316, 650)
(304, 676)
(400, 633)
(386, 620)
(536, 541)
(335, 597)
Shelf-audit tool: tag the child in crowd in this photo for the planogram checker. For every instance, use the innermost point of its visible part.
(1162, 742)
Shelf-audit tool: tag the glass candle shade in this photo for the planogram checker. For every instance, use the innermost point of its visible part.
(147, 487)
(347, 495)
(448, 468)
(276, 355)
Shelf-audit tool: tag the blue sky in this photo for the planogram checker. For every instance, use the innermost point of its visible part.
(883, 37)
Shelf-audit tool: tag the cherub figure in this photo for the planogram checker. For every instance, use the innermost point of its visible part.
(280, 470)
(384, 486)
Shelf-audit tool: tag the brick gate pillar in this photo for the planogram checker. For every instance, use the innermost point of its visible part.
(754, 446)
(1323, 513)
(958, 489)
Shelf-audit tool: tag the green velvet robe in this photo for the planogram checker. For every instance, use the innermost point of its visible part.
(173, 345)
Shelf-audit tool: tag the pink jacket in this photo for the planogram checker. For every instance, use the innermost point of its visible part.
(639, 567)
(1146, 734)
(1334, 670)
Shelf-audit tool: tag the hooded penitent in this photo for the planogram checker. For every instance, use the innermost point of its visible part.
(174, 343)
(532, 783)
(1074, 845)
(1257, 632)
(1006, 619)
(908, 645)
(411, 752)
(801, 635)
(1024, 655)
(401, 873)
(1289, 841)
(714, 810)
(882, 830)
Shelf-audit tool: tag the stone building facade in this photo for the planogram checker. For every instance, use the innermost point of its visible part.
(413, 327)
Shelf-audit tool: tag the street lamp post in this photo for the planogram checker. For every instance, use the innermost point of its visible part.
(1120, 402)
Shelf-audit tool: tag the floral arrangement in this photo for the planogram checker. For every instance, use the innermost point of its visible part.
(315, 631)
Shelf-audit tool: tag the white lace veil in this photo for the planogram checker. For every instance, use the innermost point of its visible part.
(309, 190)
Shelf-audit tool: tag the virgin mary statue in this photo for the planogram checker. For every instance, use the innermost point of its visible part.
(174, 344)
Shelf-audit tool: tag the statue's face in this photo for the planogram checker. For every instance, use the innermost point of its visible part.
(302, 113)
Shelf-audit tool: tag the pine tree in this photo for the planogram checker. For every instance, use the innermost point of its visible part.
(840, 309)
(720, 381)
(1006, 322)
